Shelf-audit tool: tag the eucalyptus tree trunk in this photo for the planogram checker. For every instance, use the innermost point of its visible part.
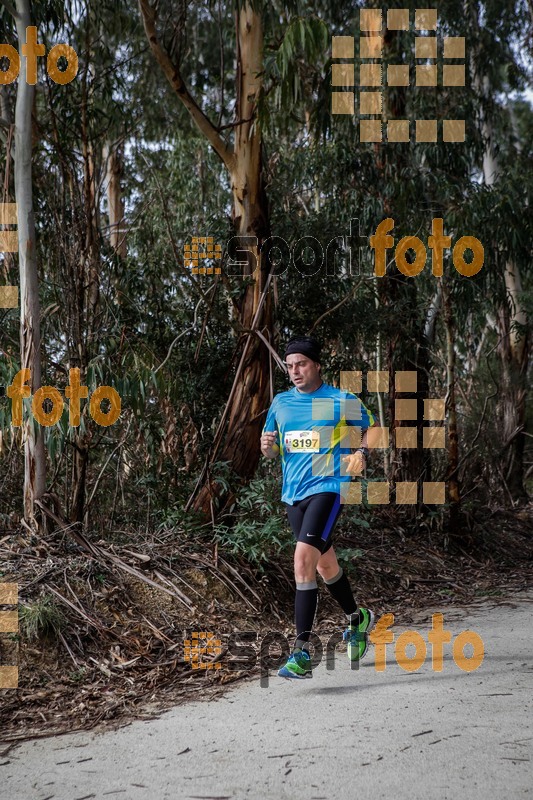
(407, 348)
(514, 354)
(454, 494)
(512, 320)
(115, 201)
(87, 302)
(237, 437)
(30, 332)
(250, 218)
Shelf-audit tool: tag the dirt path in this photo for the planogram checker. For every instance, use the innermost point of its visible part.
(343, 734)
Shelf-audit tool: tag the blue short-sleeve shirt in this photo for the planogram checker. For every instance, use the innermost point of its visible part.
(313, 436)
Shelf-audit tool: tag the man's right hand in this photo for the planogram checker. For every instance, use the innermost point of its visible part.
(269, 446)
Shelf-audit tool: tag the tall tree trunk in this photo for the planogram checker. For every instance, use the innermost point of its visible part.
(88, 290)
(407, 347)
(451, 412)
(30, 332)
(237, 438)
(115, 202)
(250, 218)
(514, 344)
(514, 353)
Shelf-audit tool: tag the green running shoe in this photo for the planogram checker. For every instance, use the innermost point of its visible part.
(298, 666)
(357, 635)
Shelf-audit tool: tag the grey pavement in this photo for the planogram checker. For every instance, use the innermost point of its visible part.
(343, 734)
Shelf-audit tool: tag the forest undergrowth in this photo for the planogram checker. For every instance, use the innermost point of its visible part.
(103, 619)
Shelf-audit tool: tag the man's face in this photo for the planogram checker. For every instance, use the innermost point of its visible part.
(304, 373)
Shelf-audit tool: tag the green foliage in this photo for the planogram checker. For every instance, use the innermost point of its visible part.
(165, 339)
(259, 532)
(41, 618)
(256, 541)
(348, 554)
(293, 63)
(78, 675)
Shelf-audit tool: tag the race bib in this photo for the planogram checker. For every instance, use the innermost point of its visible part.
(302, 442)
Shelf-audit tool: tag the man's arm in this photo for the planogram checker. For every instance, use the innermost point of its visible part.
(356, 462)
(269, 448)
(371, 438)
(269, 445)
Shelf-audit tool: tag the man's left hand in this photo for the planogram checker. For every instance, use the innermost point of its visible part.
(355, 463)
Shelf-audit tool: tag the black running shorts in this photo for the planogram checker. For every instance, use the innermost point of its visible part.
(312, 519)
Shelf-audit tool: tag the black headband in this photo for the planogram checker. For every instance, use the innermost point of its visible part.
(305, 345)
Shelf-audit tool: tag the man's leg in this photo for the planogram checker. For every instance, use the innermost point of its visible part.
(306, 558)
(338, 584)
(360, 621)
(312, 521)
(320, 513)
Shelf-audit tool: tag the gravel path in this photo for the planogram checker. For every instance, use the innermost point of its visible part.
(345, 733)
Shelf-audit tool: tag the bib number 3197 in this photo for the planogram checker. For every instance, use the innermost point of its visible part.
(302, 442)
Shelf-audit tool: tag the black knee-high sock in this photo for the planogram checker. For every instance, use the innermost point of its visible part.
(339, 588)
(305, 603)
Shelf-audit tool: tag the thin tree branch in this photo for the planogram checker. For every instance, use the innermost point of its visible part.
(110, 456)
(217, 438)
(335, 307)
(179, 262)
(222, 66)
(178, 337)
(273, 353)
(11, 9)
(149, 16)
(233, 124)
(204, 323)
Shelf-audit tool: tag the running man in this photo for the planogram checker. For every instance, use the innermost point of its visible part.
(306, 425)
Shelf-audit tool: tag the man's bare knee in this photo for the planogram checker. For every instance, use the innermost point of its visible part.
(327, 572)
(328, 566)
(305, 562)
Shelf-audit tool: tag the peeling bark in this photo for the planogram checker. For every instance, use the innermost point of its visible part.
(237, 439)
(513, 345)
(30, 332)
(115, 202)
